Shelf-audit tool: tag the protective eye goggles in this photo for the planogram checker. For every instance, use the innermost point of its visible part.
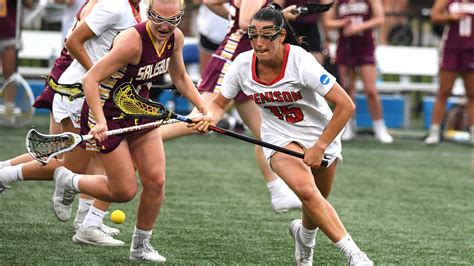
(157, 19)
(266, 32)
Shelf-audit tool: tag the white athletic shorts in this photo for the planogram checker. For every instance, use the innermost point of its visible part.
(334, 149)
(64, 108)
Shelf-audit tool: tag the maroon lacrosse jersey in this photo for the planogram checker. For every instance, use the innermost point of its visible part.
(153, 63)
(45, 99)
(359, 49)
(459, 35)
(8, 10)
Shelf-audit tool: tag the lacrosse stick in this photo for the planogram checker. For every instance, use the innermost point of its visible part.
(132, 104)
(72, 91)
(44, 147)
(310, 8)
(16, 100)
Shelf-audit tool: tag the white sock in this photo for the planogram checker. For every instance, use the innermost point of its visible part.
(138, 237)
(85, 203)
(435, 129)
(144, 233)
(308, 237)
(379, 124)
(11, 174)
(5, 163)
(93, 218)
(347, 245)
(75, 182)
(276, 187)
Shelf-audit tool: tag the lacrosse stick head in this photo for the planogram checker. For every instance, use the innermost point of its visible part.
(310, 8)
(131, 103)
(44, 147)
(16, 100)
(72, 91)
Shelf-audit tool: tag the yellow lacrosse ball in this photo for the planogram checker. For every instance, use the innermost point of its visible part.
(117, 216)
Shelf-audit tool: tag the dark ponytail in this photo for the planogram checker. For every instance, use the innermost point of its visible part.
(273, 12)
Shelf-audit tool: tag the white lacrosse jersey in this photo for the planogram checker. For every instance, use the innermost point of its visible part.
(293, 108)
(106, 20)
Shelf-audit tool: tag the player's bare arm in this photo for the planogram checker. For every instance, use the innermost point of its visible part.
(343, 111)
(75, 44)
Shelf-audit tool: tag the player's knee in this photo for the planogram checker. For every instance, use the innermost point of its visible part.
(125, 195)
(371, 93)
(154, 184)
(306, 193)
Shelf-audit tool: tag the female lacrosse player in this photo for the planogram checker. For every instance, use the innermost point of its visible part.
(457, 49)
(355, 20)
(139, 55)
(291, 89)
(235, 42)
(88, 42)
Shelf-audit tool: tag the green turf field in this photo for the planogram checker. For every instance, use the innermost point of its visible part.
(404, 203)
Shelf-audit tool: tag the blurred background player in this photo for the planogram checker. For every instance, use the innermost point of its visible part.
(396, 8)
(355, 50)
(308, 27)
(156, 42)
(89, 41)
(457, 57)
(302, 122)
(9, 44)
(212, 29)
(235, 42)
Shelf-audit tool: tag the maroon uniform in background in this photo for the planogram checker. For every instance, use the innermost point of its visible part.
(45, 99)
(457, 45)
(152, 65)
(307, 26)
(360, 49)
(235, 42)
(8, 12)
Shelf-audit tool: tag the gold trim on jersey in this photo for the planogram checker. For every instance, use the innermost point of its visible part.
(159, 51)
(232, 43)
(3, 8)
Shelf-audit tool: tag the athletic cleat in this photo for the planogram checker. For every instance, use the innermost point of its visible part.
(64, 193)
(143, 251)
(286, 202)
(95, 236)
(303, 254)
(360, 259)
(432, 139)
(109, 230)
(105, 228)
(3, 186)
(383, 136)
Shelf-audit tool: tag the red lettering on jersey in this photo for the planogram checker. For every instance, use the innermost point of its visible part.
(287, 97)
(277, 96)
(296, 95)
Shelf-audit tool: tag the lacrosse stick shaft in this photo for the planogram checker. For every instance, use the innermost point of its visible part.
(135, 128)
(245, 138)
